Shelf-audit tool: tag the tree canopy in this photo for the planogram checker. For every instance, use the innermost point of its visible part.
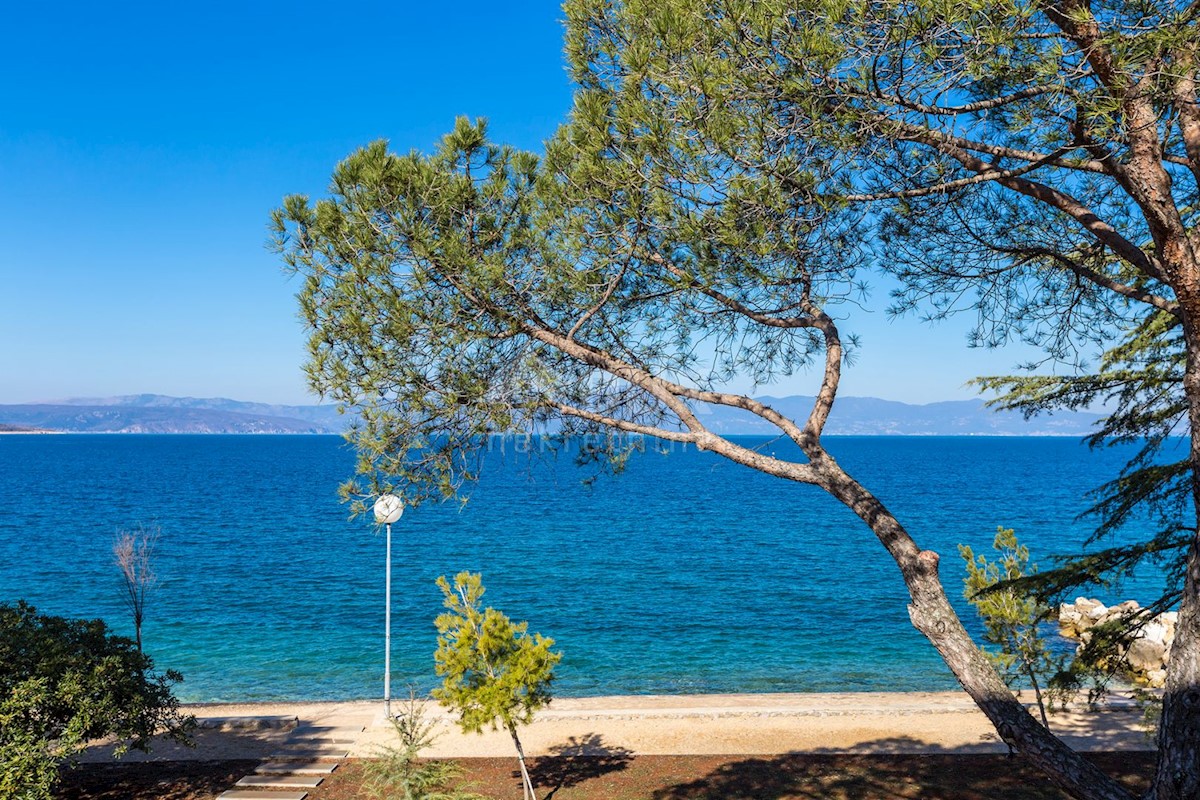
(730, 175)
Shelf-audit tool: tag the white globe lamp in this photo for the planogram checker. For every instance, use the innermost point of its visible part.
(388, 509)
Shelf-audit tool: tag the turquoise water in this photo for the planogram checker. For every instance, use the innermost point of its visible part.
(684, 574)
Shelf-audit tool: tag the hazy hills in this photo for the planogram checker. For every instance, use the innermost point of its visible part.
(870, 416)
(862, 416)
(154, 413)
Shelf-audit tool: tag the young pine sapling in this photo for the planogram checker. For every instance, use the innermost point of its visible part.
(494, 672)
(1011, 616)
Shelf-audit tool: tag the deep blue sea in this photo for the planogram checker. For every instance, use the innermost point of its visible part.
(685, 574)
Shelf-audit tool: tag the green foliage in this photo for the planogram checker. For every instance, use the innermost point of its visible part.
(64, 682)
(1011, 616)
(400, 768)
(495, 673)
(469, 292)
(1141, 380)
(394, 262)
(29, 763)
(768, 151)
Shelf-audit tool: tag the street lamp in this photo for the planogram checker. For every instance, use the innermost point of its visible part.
(388, 509)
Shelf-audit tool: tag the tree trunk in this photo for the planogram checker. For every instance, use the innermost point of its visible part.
(932, 614)
(1177, 775)
(1037, 693)
(527, 782)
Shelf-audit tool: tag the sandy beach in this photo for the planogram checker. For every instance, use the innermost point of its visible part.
(762, 724)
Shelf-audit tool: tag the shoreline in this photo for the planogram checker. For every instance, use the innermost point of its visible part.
(724, 724)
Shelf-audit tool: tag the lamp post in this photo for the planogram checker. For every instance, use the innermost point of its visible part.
(388, 509)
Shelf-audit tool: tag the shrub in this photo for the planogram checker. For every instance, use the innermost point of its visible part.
(66, 681)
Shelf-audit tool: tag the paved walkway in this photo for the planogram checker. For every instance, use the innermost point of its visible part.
(300, 762)
(917, 722)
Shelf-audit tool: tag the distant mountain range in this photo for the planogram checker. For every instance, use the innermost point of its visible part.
(870, 416)
(156, 413)
(858, 416)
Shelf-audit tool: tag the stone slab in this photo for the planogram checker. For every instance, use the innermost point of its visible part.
(255, 794)
(310, 752)
(297, 767)
(307, 734)
(248, 723)
(281, 781)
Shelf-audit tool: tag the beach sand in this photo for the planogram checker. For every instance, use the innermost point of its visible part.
(754, 724)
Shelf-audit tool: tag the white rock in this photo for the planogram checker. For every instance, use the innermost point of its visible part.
(1155, 632)
(1068, 619)
(1085, 605)
(1156, 678)
(1146, 654)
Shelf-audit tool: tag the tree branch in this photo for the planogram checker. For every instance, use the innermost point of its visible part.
(1064, 202)
(967, 108)
(814, 317)
(1098, 278)
(994, 174)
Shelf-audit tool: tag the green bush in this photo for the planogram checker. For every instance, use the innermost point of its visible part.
(399, 772)
(66, 681)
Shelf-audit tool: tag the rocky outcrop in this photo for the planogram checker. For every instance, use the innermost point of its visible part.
(1150, 646)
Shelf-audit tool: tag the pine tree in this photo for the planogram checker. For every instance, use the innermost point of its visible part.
(1011, 617)
(495, 674)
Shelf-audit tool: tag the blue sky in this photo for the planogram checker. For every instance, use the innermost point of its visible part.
(142, 147)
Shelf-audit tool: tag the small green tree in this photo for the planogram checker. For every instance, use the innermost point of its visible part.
(1011, 616)
(495, 673)
(65, 681)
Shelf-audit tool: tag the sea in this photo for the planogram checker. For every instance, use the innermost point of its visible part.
(683, 574)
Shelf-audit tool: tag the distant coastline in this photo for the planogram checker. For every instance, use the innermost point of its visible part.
(852, 416)
(18, 430)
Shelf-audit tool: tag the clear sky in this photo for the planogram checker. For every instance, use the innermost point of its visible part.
(142, 147)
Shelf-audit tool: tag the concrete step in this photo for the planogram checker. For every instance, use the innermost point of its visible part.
(310, 767)
(331, 737)
(306, 729)
(307, 752)
(254, 794)
(281, 781)
(250, 723)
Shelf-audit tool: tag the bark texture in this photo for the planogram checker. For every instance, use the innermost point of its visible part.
(1177, 774)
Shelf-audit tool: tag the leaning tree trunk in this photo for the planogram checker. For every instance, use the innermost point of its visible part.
(1177, 776)
(932, 614)
(527, 782)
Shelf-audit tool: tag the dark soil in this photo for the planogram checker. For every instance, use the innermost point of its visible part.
(161, 780)
(624, 777)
